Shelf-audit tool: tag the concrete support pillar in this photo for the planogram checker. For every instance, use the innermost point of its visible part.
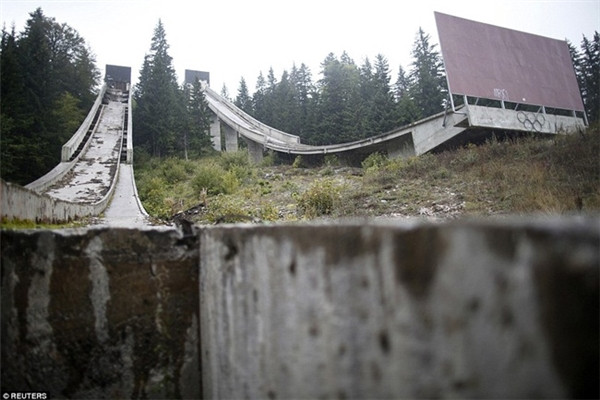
(215, 132)
(231, 138)
(255, 150)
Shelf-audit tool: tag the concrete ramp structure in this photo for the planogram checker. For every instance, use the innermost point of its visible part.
(95, 163)
(499, 80)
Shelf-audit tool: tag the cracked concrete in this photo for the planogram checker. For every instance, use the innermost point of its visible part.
(468, 309)
(92, 175)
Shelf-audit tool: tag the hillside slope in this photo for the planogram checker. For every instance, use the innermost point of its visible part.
(523, 175)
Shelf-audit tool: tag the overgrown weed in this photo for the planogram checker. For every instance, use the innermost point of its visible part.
(559, 174)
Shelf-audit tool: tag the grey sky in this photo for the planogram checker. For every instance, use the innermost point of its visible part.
(235, 38)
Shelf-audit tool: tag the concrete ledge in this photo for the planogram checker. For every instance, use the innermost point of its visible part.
(17, 202)
(69, 148)
(129, 129)
(350, 310)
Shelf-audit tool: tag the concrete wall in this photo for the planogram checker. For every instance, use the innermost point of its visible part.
(498, 118)
(349, 310)
(215, 132)
(129, 147)
(69, 148)
(394, 312)
(100, 313)
(17, 202)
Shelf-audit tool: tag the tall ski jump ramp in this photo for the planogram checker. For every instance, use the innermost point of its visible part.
(95, 175)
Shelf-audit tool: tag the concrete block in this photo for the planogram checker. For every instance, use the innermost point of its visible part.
(488, 310)
(100, 313)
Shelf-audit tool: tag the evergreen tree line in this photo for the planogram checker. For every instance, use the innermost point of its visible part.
(168, 119)
(350, 101)
(586, 61)
(48, 83)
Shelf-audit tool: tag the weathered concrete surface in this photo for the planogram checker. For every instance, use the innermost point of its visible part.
(477, 310)
(353, 310)
(21, 203)
(100, 313)
(92, 175)
(125, 208)
(488, 117)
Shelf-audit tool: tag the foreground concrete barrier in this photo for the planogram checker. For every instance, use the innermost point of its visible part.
(100, 313)
(506, 310)
(351, 310)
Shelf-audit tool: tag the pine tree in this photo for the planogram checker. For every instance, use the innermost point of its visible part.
(157, 99)
(383, 107)
(197, 137)
(259, 99)
(304, 94)
(407, 111)
(339, 100)
(285, 105)
(367, 93)
(270, 102)
(590, 76)
(34, 59)
(428, 87)
(225, 92)
(243, 99)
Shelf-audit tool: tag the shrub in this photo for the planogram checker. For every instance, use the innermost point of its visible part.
(228, 160)
(209, 177)
(268, 160)
(227, 209)
(298, 162)
(153, 192)
(321, 198)
(173, 170)
(230, 183)
(332, 160)
(374, 162)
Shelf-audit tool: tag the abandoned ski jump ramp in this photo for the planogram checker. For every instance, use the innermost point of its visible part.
(95, 175)
(499, 80)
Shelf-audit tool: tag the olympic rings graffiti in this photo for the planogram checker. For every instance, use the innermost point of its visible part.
(531, 121)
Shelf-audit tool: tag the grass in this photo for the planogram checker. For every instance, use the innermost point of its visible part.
(9, 224)
(555, 175)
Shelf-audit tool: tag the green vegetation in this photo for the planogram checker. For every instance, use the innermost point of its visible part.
(349, 101)
(26, 224)
(48, 84)
(169, 120)
(522, 175)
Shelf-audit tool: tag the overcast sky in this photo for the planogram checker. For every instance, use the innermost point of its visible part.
(235, 38)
